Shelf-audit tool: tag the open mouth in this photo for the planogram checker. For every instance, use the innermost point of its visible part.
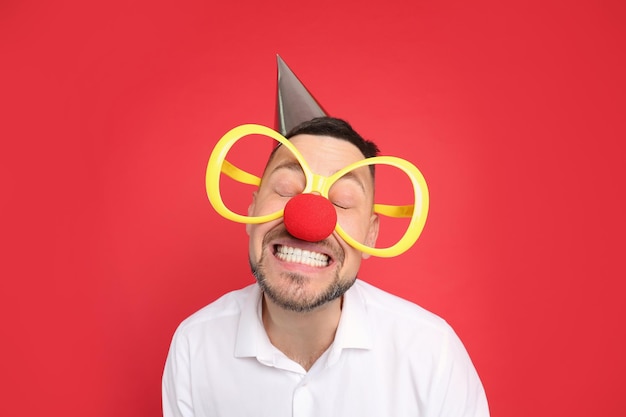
(301, 256)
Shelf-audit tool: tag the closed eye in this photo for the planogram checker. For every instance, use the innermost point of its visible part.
(284, 194)
(288, 189)
(287, 181)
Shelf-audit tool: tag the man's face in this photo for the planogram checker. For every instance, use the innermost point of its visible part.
(324, 270)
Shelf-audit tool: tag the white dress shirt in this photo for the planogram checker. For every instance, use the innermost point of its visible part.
(389, 358)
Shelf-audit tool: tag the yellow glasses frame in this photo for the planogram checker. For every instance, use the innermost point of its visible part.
(320, 184)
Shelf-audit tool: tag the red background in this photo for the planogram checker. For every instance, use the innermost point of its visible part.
(513, 111)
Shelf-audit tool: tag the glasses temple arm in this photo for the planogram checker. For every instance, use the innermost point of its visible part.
(239, 174)
(394, 211)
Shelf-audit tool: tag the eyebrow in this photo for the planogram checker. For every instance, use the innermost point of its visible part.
(289, 165)
(354, 178)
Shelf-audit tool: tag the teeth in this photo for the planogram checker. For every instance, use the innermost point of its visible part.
(297, 255)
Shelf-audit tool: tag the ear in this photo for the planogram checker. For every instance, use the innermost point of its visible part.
(251, 211)
(372, 233)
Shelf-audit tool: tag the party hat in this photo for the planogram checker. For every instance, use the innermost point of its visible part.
(294, 103)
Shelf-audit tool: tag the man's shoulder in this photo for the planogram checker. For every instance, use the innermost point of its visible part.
(385, 305)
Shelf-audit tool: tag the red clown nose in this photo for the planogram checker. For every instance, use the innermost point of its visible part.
(310, 217)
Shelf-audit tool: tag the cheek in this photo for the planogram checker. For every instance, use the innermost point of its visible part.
(257, 232)
(355, 225)
(265, 205)
(255, 241)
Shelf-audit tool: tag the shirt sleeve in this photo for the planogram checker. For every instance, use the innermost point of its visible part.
(176, 383)
(458, 390)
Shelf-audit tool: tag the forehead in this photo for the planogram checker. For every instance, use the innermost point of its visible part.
(325, 155)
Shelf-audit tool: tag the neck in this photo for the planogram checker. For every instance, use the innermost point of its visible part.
(302, 336)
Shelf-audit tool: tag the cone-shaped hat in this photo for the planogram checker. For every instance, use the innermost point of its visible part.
(294, 103)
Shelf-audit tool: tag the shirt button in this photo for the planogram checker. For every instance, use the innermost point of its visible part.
(303, 402)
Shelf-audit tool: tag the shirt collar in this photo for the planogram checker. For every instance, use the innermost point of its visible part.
(353, 332)
(250, 332)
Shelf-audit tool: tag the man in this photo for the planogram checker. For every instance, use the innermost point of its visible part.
(310, 339)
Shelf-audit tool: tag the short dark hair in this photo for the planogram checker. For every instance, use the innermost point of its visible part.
(336, 128)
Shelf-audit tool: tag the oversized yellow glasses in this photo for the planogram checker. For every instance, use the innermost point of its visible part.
(416, 212)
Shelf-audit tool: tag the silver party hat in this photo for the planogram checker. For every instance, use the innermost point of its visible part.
(294, 103)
